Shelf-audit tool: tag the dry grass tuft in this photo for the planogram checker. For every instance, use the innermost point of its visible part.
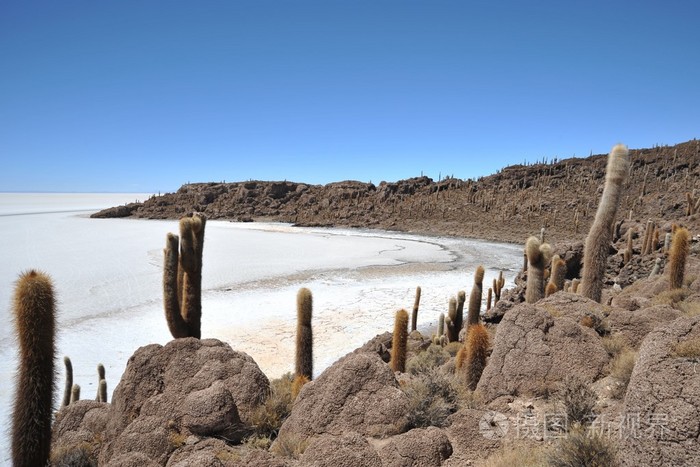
(578, 400)
(521, 456)
(434, 396)
(432, 357)
(268, 417)
(621, 368)
(690, 308)
(670, 297)
(291, 447)
(80, 455)
(582, 448)
(614, 344)
(452, 348)
(688, 348)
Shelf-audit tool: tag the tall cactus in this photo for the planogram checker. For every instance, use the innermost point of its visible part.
(680, 246)
(182, 278)
(304, 347)
(399, 341)
(472, 356)
(595, 253)
(414, 315)
(451, 321)
(475, 297)
(69, 381)
(558, 275)
(538, 255)
(35, 322)
(101, 388)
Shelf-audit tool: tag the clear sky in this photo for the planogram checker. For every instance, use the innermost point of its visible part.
(146, 95)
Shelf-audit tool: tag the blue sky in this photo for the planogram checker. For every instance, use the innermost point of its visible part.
(132, 96)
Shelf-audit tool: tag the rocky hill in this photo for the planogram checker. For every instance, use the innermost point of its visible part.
(560, 195)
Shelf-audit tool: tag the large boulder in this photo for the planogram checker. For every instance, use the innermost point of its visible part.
(537, 346)
(348, 450)
(79, 425)
(662, 404)
(357, 393)
(420, 447)
(471, 440)
(187, 387)
(635, 325)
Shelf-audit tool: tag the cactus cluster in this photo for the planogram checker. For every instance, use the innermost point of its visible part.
(182, 278)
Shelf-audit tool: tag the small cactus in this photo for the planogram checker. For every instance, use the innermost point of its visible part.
(304, 342)
(102, 391)
(399, 341)
(414, 314)
(472, 356)
(100, 378)
(558, 275)
(69, 381)
(75, 394)
(451, 321)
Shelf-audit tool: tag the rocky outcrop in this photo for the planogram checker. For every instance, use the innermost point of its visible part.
(358, 393)
(187, 387)
(662, 404)
(507, 206)
(635, 325)
(422, 447)
(537, 346)
(347, 450)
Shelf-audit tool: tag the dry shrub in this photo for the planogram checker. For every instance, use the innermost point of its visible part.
(432, 357)
(269, 416)
(433, 397)
(670, 297)
(587, 321)
(521, 456)
(452, 348)
(578, 400)
(690, 308)
(228, 456)
(291, 446)
(614, 344)
(582, 448)
(688, 348)
(621, 368)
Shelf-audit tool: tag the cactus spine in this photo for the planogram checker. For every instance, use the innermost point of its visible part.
(182, 278)
(598, 240)
(680, 246)
(399, 341)
(69, 381)
(414, 314)
(304, 347)
(538, 255)
(35, 322)
(475, 297)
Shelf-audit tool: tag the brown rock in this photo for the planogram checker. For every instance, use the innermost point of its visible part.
(635, 325)
(534, 350)
(212, 452)
(81, 422)
(187, 386)
(348, 450)
(357, 393)
(418, 447)
(469, 441)
(662, 404)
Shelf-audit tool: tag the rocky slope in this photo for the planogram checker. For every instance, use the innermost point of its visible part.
(560, 195)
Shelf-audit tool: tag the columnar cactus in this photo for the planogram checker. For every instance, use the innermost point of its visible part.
(101, 384)
(416, 304)
(475, 297)
(558, 275)
(304, 347)
(538, 255)
(472, 356)
(451, 321)
(680, 247)
(35, 323)
(399, 341)
(182, 278)
(69, 381)
(599, 236)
